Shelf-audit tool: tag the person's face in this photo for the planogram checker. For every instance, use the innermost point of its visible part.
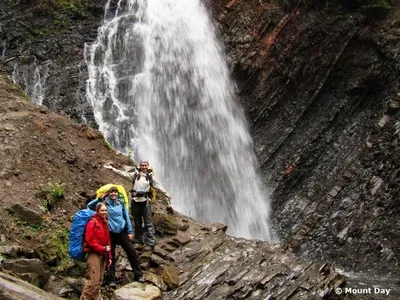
(103, 212)
(144, 166)
(113, 195)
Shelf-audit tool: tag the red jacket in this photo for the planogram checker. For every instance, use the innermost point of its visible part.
(97, 236)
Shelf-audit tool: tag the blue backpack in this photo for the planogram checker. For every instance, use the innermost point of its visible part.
(77, 233)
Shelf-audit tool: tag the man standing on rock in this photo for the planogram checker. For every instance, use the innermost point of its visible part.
(142, 182)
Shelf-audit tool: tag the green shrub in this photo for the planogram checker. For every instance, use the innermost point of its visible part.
(53, 7)
(376, 8)
(56, 192)
(19, 88)
(54, 251)
(109, 146)
(371, 8)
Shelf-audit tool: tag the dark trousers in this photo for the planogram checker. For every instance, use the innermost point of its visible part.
(142, 214)
(122, 239)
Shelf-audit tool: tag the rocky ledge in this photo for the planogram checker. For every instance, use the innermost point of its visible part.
(190, 261)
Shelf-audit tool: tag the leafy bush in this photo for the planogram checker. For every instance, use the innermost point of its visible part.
(376, 8)
(55, 192)
(54, 251)
(52, 7)
(370, 8)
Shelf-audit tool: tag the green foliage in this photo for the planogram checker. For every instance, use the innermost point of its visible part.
(109, 146)
(32, 228)
(56, 191)
(130, 158)
(54, 7)
(63, 24)
(370, 8)
(54, 251)
(376, 8)
(19, 88)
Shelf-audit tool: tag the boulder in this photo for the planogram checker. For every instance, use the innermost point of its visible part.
(170, 276)
(156, 280)
(13, 288)
(27, 215)
(165, 223)
(138, 291)
(64, 286)
(10, 250)
(32, 270)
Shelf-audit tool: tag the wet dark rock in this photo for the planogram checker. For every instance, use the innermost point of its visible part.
(51, 42)
(33, 270)
(165, 223)
(217, 266)
(13, 288)
(11, 250)
(26, 214)
(320, 100)
(65, 287)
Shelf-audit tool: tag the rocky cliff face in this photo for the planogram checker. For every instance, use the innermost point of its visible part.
(319, 89)
(42, 46)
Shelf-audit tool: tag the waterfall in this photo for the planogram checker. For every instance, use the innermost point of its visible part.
(159, 87)
(33, 78)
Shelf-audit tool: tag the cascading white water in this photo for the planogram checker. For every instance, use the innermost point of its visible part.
(33, 77)
(159, 86)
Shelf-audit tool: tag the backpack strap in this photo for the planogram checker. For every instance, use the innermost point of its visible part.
(96, 224)
(136, 176)
(149, 178)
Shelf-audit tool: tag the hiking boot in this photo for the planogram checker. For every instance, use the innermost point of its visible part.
(140, 279)
(112, 284)
(148, 248)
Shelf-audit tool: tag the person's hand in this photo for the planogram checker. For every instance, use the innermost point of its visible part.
(108, 249)
(130, 236)
(102, 196)
(108, 166)
(109, 262)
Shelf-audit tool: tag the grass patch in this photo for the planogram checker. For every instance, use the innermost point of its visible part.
(56, 191)
(32, 228)
(54, 251)
(19, 89)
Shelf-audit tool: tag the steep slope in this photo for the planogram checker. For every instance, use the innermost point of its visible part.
(40, 151)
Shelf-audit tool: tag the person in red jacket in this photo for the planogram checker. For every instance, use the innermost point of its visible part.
(98, 246)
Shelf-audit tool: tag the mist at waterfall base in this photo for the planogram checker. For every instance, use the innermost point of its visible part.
(159, 87)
